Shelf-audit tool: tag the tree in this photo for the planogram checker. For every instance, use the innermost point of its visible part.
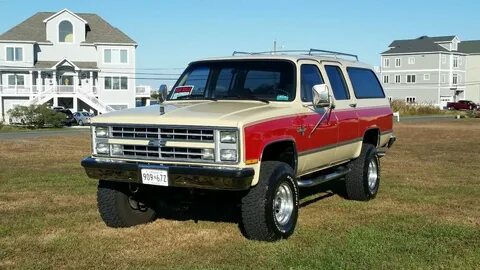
(37, 116)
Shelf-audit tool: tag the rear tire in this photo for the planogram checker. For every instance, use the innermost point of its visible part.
(80, 123)
(363, 180)
(270, 209)
(120, 207)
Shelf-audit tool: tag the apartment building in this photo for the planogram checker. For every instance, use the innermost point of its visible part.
(426, 70)
(75, 60)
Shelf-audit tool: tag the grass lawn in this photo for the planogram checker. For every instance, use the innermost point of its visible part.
(9, 129)
(427, 214)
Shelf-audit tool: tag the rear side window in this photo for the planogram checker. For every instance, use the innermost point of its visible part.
(365, 83)
(339, 87)
(310, 76)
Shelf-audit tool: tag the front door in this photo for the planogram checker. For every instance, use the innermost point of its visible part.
(320, 129)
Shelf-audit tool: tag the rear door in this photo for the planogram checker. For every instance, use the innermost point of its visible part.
(345, 111)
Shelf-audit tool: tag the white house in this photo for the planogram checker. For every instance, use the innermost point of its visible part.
(75, 60)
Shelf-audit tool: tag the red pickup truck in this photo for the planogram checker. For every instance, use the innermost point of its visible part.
(463, 105)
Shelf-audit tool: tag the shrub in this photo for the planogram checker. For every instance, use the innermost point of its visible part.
(1, 124)
(37, 116)
(414, 109)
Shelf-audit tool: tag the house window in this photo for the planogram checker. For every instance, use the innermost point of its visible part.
(65, 32)
(426, 77)
(411, 100)
(14, 54)
(386, 78)
(116, 83)
(411, 78)
(455, 61)
(115, 56)
(411, 60)
(455, 79)
(386, 62)
(16, 80)
(444, 59)
(398, 62)
(398, 79)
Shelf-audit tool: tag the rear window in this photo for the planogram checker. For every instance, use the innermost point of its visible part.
(365, 83)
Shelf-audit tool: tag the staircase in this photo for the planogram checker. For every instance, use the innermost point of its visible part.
(88, 98)
(94, 102)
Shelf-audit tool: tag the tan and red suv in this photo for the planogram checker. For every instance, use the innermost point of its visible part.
(258, 127)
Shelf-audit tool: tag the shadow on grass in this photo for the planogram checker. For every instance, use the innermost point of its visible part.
(225, 206)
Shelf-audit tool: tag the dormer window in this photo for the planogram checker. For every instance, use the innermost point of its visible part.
(65, 32)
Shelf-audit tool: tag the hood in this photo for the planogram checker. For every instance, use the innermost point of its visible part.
(211, 113)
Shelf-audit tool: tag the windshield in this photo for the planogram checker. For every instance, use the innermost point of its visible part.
(255, 80)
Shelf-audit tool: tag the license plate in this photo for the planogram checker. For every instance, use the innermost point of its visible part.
(155, 177)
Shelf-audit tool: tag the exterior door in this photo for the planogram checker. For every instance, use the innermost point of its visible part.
(319, 129)
(345, 111)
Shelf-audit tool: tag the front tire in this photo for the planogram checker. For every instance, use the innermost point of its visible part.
(270, 209)
(363, 180)
(120, 207)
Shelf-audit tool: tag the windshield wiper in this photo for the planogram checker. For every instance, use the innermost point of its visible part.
(245, 98)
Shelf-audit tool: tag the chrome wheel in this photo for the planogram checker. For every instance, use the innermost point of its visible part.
(283, 204)
(372, 174)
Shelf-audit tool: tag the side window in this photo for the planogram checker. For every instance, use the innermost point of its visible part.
(309, 76)
(339, 87)
(365, 83)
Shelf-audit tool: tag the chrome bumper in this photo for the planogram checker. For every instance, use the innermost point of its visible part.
(179, 176)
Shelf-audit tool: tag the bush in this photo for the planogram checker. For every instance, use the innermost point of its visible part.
(1, 124)
(414, 109)
(37, 116)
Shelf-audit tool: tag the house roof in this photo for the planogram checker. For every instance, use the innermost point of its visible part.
(470, 46)
(98, 30)
(52, 64)
(421, 44)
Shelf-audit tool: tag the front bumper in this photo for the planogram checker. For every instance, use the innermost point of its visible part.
(178, 175)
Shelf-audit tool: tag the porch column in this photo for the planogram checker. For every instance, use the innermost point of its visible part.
(55, 101)
(30, 72)
(75, 104)
(54, 78)
(90, 80)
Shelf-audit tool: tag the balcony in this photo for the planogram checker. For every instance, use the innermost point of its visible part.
(22, 90)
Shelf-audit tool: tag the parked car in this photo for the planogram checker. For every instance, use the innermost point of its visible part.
(69, 119)
(82, 118)
(258, 129)
(463, 105)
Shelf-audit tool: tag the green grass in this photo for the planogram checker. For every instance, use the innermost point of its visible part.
(427, 215)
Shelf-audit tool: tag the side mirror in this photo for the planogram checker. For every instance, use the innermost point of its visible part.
(321, 96)
(162, 93)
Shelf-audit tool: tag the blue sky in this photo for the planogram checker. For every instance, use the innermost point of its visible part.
(170, 34)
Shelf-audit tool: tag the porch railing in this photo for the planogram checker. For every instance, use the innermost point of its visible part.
(37, 89)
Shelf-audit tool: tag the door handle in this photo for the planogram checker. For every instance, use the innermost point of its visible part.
(353, 105)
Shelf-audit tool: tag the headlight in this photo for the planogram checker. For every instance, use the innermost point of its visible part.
(101, 131)
(102, 148)
(228, 155)
(228, 136)
(117, 149)
(208, 153)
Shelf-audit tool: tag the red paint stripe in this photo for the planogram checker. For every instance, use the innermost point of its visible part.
(342, 126)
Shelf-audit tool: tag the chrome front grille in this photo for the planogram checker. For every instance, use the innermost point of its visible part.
(163, 152)
(165, 133)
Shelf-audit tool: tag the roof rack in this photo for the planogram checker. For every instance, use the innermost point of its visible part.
(306, 52)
